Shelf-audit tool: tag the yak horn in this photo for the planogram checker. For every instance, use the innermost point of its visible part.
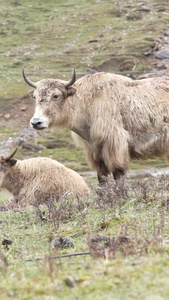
(73, 79)
(11, 155)
(29, 82)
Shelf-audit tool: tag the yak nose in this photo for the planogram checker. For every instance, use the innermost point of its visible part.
(37, 123)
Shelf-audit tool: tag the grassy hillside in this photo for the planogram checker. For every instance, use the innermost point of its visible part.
(50, 38)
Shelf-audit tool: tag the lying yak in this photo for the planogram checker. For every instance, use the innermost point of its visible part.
(114, 117)
(38, 180)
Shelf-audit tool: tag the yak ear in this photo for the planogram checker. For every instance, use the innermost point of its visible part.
(70, 91)
(30, 93)
(12, 162)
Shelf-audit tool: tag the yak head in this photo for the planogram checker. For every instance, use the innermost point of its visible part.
(51, 96)
(6, 162)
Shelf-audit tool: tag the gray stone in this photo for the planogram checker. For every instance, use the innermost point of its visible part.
(162, 54)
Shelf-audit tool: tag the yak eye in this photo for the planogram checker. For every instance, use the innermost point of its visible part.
(55, 96)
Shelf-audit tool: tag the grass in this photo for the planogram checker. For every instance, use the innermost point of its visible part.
(5, 133)
(49, 39)
(115, 280)
(135, 266)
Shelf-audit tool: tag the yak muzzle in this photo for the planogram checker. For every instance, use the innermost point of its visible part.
(37, 123)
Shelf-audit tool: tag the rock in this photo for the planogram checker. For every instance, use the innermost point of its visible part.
(93, 41)
(63, 242)
(99, 239)
(51, 18)
(146, 53)
(7, 116)
(92, 71)
(144, 9)
(6, 243)
(118, 241)
(162, 54)
(134, 16)
(161, 8)
(161, 65)
(32, 147)
(70, 281)
(23, 108)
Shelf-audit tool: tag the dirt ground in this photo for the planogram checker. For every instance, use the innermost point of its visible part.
(18, 114)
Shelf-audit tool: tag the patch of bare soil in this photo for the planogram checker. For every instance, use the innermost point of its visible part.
(18, 114)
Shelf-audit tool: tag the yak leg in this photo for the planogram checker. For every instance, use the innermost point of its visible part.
(118, 173)
(102, 173)
(102, 180)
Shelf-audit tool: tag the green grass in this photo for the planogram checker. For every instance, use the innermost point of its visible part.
(49, 39)
(5, 133)
(105, 281)
(137, 270)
